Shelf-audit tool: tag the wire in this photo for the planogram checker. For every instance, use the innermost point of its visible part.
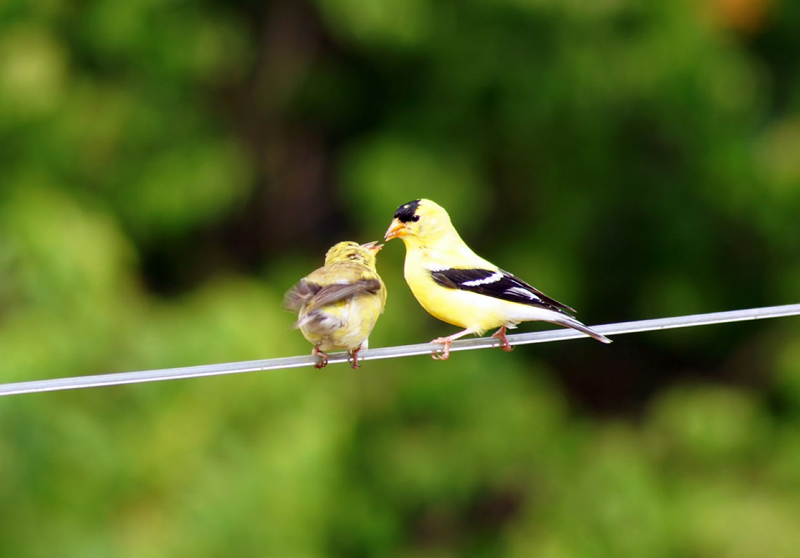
(102, 380)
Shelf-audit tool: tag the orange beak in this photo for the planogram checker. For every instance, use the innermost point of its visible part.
(373, 246)
(397, 229)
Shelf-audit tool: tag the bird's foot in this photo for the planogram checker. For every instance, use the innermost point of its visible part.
(323, 358)
(501, 335)
(354, 360)
(445, 352)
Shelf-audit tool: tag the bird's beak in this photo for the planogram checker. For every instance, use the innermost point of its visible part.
(373, 246)
(397, 229)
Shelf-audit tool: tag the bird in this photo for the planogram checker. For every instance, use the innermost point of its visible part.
(339, 303)
(455, 285)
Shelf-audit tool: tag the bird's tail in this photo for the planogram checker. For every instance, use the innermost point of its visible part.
(568, 321)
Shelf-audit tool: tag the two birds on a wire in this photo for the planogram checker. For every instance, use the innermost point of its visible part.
(338, 304)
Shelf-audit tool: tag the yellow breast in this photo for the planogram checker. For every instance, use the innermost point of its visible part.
(460, 308)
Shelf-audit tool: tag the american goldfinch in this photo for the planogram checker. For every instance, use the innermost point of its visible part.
(459, 287)
(338, 304)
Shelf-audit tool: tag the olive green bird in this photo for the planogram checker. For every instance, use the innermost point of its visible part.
(339, 303)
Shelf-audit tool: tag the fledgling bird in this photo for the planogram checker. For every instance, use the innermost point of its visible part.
(459, 287)
(339, 303)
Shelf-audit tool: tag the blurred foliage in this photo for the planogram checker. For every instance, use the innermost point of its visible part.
(169, 169)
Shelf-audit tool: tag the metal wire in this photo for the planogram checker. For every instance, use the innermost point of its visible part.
(79, 382)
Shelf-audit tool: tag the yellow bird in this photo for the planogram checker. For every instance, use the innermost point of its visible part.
(338, 304)
(459, 287)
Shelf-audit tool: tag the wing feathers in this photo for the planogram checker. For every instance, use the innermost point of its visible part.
(301, 293)
(314, 296)
(497, 284)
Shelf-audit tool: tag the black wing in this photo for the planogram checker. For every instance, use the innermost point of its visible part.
(498, 284)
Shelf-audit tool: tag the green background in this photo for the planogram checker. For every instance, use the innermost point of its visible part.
(168, 169)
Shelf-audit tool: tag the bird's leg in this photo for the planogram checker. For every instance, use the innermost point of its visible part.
(445, 342)
(354, 362)
(323, 357)
(501, 335)
(354, 354)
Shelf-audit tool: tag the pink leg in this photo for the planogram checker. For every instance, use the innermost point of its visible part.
(354, 363)
(501, 335)
(323, 358)
(445, 341)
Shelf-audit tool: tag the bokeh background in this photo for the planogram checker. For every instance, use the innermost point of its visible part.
(168, 169)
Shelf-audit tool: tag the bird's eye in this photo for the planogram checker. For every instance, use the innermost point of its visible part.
(415, 218)
(353, 256)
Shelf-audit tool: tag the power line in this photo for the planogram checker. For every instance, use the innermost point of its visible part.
(102, 380)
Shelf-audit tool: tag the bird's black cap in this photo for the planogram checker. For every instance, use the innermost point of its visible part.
(406, 212)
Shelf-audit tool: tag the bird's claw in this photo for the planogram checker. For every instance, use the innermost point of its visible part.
(445, 352)
(323, 358)
(501, 335)
(354, 360)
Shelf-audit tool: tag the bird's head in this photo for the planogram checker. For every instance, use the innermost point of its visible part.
(354, 252)
(417, 220)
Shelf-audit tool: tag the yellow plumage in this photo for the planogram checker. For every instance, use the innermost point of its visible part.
(339, 303)
(459, 287)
